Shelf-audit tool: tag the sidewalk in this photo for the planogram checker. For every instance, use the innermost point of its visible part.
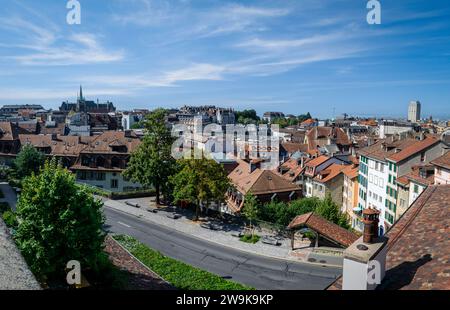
(223, 236)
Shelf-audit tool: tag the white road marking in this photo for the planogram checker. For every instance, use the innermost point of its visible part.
(124, 224)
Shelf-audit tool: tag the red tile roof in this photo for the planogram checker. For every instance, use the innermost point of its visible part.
(419, 247)
(329, 173)
(259, 181)
(413, 149)
(325, 228)
(351, 171)
(443, 161)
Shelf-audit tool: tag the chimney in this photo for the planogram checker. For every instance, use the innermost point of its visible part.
(128, 133)
(54, 136)
(365, 260)
(370, 225)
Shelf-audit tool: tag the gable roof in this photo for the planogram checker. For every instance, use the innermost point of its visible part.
(413, 148)
(292, 169)
(259, 181)
(102, 143)
(8, 131)
(291, 147)
(418, 248)
(329, 173)
(325, 228)
(420, 239)
(443, 161)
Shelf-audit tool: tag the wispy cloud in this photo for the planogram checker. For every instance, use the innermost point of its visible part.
(194, 72)
(221, 20)
(43, 46)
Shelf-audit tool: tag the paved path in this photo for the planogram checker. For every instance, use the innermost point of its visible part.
(258, 271)
(9, 193)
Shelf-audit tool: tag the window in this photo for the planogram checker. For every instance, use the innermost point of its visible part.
(389, 179)
(100, 176)
(422, 157)
(114, 183)
(416, 189)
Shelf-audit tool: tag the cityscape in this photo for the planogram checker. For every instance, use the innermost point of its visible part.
(236, 177)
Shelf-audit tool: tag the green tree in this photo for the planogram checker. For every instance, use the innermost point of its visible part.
(250, 209)
(152, 164)
(200, 181)
(59, 221)
(28, 161)
(247, 117)
(329, 210)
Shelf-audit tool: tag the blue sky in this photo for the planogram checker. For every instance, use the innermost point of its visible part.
(291, 56)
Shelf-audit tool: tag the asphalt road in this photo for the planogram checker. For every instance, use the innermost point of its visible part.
(256, 271)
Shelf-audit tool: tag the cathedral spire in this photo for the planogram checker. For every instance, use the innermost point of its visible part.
(81, 93)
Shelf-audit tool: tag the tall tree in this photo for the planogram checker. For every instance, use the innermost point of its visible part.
(200, 182)
(152, 164)
(59, 221)
(28, 161)
(250, 209)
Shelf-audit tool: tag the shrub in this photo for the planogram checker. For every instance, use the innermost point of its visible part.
(59, 221)
(250, 238)
(10, 219)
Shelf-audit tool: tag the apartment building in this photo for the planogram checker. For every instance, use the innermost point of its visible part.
(102, 162)
(442, 169)
(350, 193)
(382, 163)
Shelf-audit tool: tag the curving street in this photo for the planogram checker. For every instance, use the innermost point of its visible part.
(260, 272)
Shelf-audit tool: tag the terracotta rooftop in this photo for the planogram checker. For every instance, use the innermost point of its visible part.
(62, 145)
(259, 181)
(317, 161)
(418, 247)
(290, 169)
(413, 148)
(416, 177)
(8, 131)
(384, 148)
(335, 133)
(309, 121)
(329, 173)
(325, 228)
(102, 143)
(351, 171)
(443, 161)
(294, 147)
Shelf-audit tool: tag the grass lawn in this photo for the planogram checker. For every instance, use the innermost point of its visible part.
(179, 274)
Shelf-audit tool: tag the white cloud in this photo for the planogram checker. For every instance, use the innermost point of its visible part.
(47, 46)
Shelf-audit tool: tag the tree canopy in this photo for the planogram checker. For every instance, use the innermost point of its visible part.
(200, 181)
(28, 161)
(152, 164)
(59, 221)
